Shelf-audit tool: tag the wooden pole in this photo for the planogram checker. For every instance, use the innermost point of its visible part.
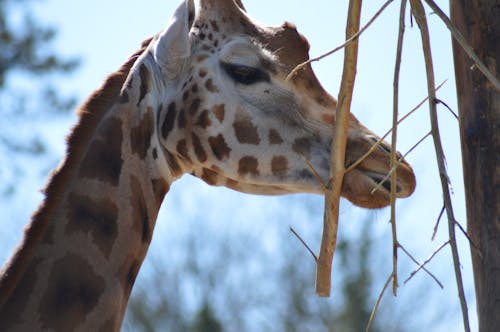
(479, 117)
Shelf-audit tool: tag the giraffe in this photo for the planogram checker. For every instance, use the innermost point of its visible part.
(207, 96)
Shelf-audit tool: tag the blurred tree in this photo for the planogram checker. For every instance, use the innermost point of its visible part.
(205, 320)
(273, 291)
(26, 51)
(28, 64)
(357, 284)
(22, 38)
(350, 308)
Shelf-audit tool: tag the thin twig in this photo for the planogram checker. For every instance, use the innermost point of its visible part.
(305, 244)
(316, 175)
(474, 246)
(381, 139)
(421, 266)
(419, 14)
(379, 299)
(437, 223)
(394, 162)
(463, 42)
(439, 101)
(338, 48)
(337, 158)
(420, 141)
(416, 262)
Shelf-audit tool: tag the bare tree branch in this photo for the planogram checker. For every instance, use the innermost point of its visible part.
(338, 48)
(416, 262)
(304, 243)
(421, 266)
(337, 158)
(437, 223)
(393, 169)
(375, 308)
(375, 146)
(419, 14)
(466, 47)
(474, 246)
(439, 101)
(394, 162)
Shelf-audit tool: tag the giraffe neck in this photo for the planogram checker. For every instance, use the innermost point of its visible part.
(84, 247)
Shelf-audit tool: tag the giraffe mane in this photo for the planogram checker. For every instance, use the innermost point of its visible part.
(91, 112)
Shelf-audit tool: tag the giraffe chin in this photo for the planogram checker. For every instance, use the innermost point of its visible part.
(359, 188)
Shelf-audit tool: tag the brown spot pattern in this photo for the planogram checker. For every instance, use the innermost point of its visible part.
(193, 108)
(198, 149)
(248, 165)
(203, 120)
(230, 183)
(103, 160)
(209, 84)
(168, 122)
(19, 297)
(209, 176)
(215, 26)
(140, 210)
(275, 137)
(144, 74)
(130, 276)
(279, 165)
(73, 292)
(219, 112)
(99, 218)
(175, 168)
(328, 118)
(202, 57)
(246, 132)
(181, 119)
(219, 147)
(141, 135)
(182, 149)
(302, 146)
(216, 169)
(160, 189)
(202, 72)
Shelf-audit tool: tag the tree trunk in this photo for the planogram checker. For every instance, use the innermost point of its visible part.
(479, 109)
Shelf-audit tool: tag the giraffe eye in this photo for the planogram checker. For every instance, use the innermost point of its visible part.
(244, 74)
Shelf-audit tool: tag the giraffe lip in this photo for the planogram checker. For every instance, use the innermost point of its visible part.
(386, 184)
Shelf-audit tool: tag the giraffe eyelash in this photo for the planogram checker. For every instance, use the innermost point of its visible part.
(245, 74)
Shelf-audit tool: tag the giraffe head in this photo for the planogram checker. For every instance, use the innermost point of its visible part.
(228, 115)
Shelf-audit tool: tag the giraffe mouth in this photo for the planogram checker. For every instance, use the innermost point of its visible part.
(385, 182)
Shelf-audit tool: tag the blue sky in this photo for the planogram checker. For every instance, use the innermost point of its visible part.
(105, 33)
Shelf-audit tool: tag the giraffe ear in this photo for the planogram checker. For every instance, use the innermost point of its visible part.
(174, 45)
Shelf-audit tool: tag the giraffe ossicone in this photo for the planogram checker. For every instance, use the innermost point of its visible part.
(208, 96)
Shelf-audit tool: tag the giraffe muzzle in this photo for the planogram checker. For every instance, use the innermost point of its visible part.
(383, 182)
